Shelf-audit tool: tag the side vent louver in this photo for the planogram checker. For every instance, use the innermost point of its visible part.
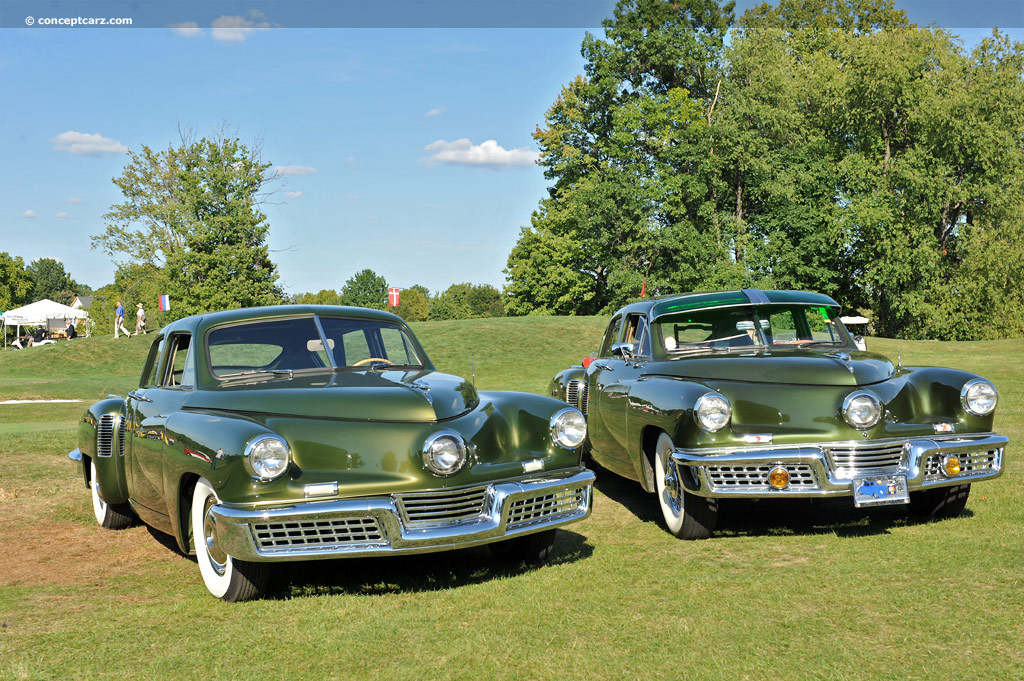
(577, 393)
(105, 435)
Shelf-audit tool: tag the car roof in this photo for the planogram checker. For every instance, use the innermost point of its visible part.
(197, 324)
(713, 299)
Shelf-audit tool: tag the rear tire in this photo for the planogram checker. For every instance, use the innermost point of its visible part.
(687, 516)
(944, 502)
(110, 516)
(533, 548)
(226, 577)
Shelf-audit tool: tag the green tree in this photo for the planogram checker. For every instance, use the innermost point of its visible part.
(50, 280)
(15, 282)
(323, 297)
(365, 289)
(468, 301)
(413, 305)
(192, 212)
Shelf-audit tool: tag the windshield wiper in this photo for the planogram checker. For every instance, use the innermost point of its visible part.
(258, 372)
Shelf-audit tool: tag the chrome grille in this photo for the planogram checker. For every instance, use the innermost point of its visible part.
(577, 393)
(971, 463)
(756, 477)
(849, 461)
(316, 534)
(441, 507)
(545, 507)
(572, 393)
(105, 435)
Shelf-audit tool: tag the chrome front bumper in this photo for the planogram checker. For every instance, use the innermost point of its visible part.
(828, 469)
(384, 525)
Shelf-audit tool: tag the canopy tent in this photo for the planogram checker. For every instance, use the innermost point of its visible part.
(855, 320)
(37, 314)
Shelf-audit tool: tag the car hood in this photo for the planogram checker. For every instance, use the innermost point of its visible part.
(783, 366)
(422, 396)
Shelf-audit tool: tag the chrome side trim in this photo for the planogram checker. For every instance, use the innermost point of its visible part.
(699, 465)
(535, 503)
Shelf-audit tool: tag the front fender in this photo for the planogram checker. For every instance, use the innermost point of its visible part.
(558, 385)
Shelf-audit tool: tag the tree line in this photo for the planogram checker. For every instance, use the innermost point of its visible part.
(828, 145)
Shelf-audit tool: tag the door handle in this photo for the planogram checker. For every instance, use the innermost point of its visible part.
(140, 398)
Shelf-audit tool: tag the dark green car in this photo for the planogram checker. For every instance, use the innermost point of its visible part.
(764, 394)
(310, 432)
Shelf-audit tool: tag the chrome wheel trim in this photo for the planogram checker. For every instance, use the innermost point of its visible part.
(217, 576)
(218, 559)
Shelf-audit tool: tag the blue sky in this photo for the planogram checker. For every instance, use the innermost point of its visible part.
(405, 150)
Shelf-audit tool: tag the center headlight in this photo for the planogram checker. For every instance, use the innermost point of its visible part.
(979, 397)
(862, 409)
(712, 412)
(444, 453)
(267, 456)
(568, 428)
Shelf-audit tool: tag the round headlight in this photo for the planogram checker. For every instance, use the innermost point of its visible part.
(979, 397)
(568, 428)
(267, 456)
(862, 409)
(444, 453)
(712, 412)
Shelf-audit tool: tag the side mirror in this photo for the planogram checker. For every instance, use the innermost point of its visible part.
(622, 349)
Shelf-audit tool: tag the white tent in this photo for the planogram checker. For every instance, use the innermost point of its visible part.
(36, 314)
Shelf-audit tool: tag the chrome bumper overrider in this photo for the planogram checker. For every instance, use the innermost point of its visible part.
(817, 469)
(378, 526)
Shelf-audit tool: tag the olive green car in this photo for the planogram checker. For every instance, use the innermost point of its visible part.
(764, 394)
(311, 432)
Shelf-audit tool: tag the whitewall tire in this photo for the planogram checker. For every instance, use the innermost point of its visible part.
(687, 516)
(110, 516)
(226, 577)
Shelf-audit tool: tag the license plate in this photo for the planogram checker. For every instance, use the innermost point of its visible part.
(889, 489)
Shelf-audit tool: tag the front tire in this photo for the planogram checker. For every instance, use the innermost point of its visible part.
(533, 548)
(226, 577)
(110, 516)
(944, 502)
(687, 516)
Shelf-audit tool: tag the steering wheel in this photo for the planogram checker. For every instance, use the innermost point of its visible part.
(372, 359)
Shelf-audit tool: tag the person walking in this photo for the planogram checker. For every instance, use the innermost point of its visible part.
(119, 321)
(140, 320)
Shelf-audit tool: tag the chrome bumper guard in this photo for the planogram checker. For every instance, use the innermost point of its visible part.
(743, 472)
(374, 526)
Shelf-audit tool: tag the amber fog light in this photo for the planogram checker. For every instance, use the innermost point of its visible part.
(779, 477)
(951, 466)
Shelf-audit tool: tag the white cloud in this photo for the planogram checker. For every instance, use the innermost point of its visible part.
(188, 29)
(292, 194)
(84, 144)
(488, 154)
(73, 200)
(62, 215)
(435, 112)
(294, 170)
(29, 213)
(235, 29)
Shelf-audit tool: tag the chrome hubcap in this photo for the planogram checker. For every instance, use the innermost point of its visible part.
(218, 559)
(673, 494)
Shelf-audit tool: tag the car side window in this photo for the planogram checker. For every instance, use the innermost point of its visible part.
(179, 363)
(148, 379)
(611, 336)
(638, 335)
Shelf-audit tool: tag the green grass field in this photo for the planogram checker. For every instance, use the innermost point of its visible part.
(785, 590)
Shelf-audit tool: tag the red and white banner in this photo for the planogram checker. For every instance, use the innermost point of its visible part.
(393, 296)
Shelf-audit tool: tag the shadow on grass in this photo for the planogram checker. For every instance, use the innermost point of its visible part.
(771, 517)
(411, 573)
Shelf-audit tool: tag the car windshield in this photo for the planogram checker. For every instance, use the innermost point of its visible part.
(295, 344)
(748, 328)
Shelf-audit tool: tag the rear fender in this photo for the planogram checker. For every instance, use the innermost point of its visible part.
(101, 435)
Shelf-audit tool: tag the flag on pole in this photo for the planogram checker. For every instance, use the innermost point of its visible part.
(643, 287)
(165, 303)
(393, 296)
